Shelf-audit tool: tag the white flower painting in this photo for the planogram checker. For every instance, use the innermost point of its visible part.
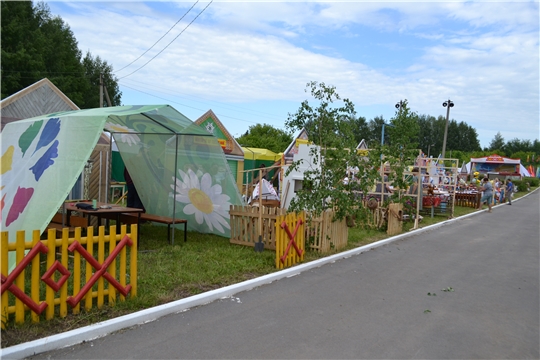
(202, 199)
(123, 133)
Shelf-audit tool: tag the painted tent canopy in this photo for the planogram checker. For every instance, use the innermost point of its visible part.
(171, 160)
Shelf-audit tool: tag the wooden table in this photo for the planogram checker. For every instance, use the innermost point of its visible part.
(104, 210)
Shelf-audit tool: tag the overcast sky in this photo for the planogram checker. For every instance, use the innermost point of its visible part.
(249, 61)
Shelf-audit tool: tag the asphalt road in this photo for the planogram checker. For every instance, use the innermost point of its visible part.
(376, 305)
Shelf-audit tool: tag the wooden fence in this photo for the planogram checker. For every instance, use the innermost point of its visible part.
(245, 225)
(49, 280)
(321, 234)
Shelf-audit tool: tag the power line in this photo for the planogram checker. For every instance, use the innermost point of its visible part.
(170, 42)
(183, 16)
(176, 102)
(198, 99)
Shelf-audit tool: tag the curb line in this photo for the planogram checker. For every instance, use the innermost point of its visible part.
(101, 329)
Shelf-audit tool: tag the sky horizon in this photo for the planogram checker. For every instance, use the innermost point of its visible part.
(250, 61)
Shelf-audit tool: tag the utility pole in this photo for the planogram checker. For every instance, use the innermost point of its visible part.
(100, 90)
(107, 96)
(447, 104)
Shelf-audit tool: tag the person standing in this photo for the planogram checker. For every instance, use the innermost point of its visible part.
(509, 191)
(487, 188)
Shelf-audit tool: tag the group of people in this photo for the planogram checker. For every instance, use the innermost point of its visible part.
(504, 192)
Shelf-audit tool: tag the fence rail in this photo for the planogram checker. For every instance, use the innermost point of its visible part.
(78, 276)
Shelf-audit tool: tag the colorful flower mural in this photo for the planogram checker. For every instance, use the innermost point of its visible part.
(203, 200)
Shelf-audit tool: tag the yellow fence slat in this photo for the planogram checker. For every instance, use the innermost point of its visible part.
(90, 249)
(133, 260)
(19, 282)
(112, 267)
(35, 276)
(123, 262)
(49, 293)
(101, 259)
(77, 271)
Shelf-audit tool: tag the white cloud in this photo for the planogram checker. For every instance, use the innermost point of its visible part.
(484, 56)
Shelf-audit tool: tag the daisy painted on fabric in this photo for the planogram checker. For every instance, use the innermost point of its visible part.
(126, 134)
(203, 199)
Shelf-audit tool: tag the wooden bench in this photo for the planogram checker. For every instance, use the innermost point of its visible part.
(132, 218)
(75, 222)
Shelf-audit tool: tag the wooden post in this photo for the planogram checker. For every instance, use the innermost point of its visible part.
(260, 205)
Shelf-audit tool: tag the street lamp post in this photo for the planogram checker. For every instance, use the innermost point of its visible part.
(447, 104)
(399, 106)
(428, 148)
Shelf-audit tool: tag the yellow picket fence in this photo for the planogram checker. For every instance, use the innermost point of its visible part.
(290, 239)
(87, 278)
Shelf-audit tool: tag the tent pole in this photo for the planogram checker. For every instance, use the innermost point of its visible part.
(174, 192)
(108, 198)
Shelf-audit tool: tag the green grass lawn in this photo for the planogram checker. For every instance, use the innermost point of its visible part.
(172, 272)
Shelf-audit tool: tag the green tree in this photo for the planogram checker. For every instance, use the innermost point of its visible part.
(497, 143)
(329, 127)
(93, 67)
(402, 149)
(265, 136)
(468, 138)
(427, 141)
(360, 129)
(375, 131)
(21, 61)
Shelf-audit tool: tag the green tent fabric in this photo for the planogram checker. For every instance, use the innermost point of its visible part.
(117, 167)
(172, 161)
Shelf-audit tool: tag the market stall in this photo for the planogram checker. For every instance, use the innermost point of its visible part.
(496, 166)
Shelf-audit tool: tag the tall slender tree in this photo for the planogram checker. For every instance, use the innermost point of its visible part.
(94, 67)
(329, 127)
(497, 143)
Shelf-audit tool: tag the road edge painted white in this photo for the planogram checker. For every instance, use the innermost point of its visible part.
(101, 329)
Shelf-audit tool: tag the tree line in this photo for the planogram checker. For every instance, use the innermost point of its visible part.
(462, 140)
(37, 45)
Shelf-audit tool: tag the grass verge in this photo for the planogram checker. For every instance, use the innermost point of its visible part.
(172, 272)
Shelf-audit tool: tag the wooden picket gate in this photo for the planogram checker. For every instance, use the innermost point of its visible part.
(90, 279)
(290, 239)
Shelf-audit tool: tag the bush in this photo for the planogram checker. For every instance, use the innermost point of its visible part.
(519, 185)
(533, 181)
